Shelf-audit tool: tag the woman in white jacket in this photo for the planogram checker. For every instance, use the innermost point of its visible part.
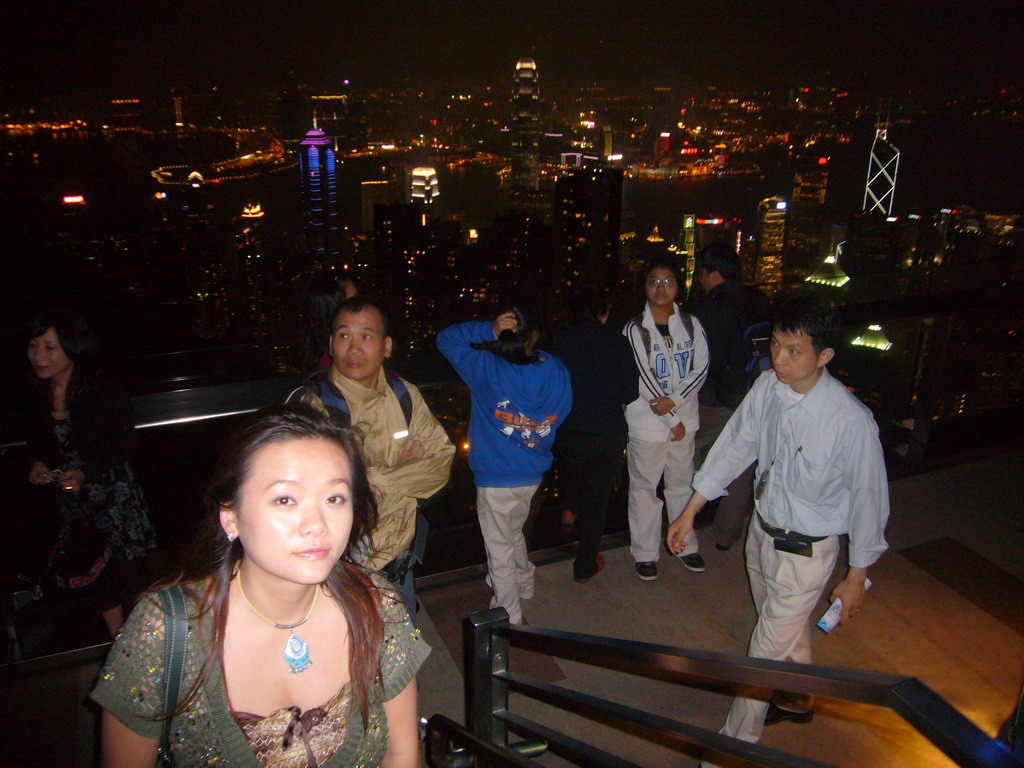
(671, 354)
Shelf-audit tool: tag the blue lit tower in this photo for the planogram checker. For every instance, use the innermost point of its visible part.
(321, 230)
(526, 126)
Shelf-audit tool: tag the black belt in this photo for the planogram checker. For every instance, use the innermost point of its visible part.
(781, 533)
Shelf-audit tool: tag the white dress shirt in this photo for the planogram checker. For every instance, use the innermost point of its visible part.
(826, 474)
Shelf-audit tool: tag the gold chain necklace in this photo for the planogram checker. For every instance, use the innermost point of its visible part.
(296, 651)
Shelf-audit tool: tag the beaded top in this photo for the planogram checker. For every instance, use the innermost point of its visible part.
(131, 687)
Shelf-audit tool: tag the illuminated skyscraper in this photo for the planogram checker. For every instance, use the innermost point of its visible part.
(771, 239)
(697, 233)
(424, 187)
(526, 126)
(687, 250)
(321, 229)
(880, 188)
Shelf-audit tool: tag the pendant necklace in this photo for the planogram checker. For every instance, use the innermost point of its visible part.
(296, 651)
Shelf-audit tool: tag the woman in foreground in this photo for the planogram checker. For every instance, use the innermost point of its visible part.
(295, 656)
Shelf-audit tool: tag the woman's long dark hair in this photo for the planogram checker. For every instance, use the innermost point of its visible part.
(511, 345)
(78, 341)
(215, 559)
(320, 300)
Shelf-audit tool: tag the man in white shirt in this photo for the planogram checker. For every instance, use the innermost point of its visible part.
(820, 474)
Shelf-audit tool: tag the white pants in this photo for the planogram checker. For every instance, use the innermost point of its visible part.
(647, 462)
(502, 513)
(785, 587)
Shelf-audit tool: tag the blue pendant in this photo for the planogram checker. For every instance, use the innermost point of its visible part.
(296, 653)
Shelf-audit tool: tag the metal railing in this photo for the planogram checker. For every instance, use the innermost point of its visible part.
(488, 638)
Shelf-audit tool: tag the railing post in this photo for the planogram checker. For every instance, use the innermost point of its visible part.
(485, 655)
(926, 386)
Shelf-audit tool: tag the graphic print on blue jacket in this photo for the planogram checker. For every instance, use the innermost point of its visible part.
(515, 409)
(520, 428)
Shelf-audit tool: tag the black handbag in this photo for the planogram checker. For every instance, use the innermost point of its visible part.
(80, 555)
(174, 665)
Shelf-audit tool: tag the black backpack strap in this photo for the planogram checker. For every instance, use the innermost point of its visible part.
(644, 365)
(175, 633)
(645, 335)
(687, 319)
(331, 397)
(398, 386)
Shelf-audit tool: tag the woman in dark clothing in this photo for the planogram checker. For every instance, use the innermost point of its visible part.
(591, 441)
(82, 434)
(320, 300)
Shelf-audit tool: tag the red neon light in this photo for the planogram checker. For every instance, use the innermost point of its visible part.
(822, 161)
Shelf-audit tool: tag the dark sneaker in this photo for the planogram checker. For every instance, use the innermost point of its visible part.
(693, 562)
(777, 714)
(600, 567)
(647, 571)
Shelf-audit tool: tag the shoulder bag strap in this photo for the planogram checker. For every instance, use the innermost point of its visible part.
(174, 663)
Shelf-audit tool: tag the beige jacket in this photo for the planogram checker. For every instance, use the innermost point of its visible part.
(397, 485)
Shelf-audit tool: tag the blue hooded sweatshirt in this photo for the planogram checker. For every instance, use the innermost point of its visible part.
(515, 408)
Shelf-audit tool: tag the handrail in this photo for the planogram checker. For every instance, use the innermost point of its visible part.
(488, 637)
(90, 654)
(448, 742)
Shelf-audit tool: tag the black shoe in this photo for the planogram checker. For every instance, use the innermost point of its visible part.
(585, 579)
(648, 571)
(777, 714)
(693, 562)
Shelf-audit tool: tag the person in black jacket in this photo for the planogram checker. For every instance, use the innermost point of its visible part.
(590, 442)
(727, 309)
(82, 433)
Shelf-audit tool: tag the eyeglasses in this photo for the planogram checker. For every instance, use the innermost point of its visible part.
(668, 282)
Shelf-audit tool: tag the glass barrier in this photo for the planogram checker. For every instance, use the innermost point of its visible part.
(942, 385)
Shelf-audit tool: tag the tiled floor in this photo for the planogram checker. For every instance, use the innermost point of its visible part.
(947, 613)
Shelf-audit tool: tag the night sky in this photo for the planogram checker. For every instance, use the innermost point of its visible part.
(134, 47)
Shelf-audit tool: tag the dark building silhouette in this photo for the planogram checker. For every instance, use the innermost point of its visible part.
(807, 239)
(588, 218)
(418, 271)
(876, 243)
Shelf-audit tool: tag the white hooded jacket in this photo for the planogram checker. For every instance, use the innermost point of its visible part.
(677, 373)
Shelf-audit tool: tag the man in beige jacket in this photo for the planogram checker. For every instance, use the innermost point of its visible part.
(407, 452)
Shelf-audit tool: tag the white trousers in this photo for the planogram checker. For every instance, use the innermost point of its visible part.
(647, 462)
(785, 587)
(502, 513)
